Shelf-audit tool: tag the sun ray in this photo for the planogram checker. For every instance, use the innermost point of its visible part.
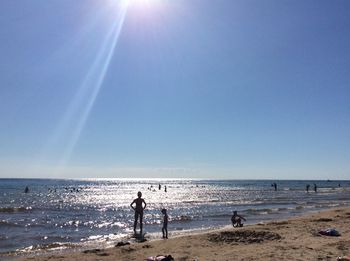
(76, 115)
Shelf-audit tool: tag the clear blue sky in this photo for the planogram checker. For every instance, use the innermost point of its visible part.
(175, 88)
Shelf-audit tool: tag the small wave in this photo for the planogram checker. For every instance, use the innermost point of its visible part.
(50, 246)
(192, 201)
(14, 209)
(182, 218)
(255, 211)
(3, 237)
(4, 223)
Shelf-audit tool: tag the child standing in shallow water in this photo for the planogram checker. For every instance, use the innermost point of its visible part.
(165, 223)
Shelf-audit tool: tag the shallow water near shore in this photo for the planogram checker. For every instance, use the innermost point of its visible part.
(75, 214)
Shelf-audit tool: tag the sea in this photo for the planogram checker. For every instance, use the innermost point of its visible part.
(73, 214)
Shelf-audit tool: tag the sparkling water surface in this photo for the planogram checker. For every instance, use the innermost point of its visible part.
(58, 214)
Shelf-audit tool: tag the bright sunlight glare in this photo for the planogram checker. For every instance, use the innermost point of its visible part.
(138, 3)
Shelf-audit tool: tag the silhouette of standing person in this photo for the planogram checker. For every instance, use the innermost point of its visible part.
(139, 207)
(307, 187)
(165, 223)
(315, 187)
(274, 185)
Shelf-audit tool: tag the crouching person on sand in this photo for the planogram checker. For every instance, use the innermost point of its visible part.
(237, 220)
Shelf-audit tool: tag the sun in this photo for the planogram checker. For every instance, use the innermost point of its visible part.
(142, 2)
(135, 3)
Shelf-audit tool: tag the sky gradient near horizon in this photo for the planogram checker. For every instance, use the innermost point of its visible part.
(175, 88)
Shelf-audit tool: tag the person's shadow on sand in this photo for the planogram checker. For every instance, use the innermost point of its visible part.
(139, 237)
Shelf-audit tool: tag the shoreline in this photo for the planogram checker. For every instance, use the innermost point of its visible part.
(295, 238)
(53, 214)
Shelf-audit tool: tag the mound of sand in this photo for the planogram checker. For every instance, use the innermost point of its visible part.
(243, 236)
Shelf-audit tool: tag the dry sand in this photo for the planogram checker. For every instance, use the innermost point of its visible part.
(292, 239)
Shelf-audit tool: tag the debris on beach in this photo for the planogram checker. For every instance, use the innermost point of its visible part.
(94, 251)
(323, 220)
(128, 249)
(329, 232)
(160, 258)
(122, 243)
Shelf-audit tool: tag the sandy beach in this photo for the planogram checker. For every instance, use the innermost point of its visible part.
(293, 239)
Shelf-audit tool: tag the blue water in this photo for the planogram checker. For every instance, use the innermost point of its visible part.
(58, 214)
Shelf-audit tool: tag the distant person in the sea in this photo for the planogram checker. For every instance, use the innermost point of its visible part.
(165, 223)
(159, 187)
(140, 205)
(237, 220)
(165, 189)
(274, 185)
(26, 190)
(315, 187)
(307, 187)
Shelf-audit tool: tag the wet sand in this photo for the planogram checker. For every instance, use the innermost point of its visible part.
(292, 239)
